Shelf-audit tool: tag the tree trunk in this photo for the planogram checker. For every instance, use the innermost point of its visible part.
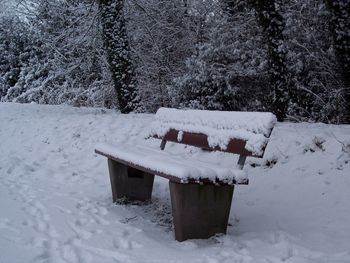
(273, 25)
(117, 49)
(340, 25)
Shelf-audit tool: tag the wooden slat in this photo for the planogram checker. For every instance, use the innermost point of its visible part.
(236, 146)
(167, 176)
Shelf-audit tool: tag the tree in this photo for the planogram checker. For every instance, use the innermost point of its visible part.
(19, 48)
(311, 63)
(54, 55)
(340, 23)
(272, 22)
(163, 37)
(117, 48)
(227, 71)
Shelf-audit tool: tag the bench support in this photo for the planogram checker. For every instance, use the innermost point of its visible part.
(129, 182)
(200, 211)
(241, 161)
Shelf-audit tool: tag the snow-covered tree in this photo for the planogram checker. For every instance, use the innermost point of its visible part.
(340, 23)
(317, 85)
(271, 20)
(67, 63)
(227, 72)
(20, 49)
(117, 47)
(163, 36)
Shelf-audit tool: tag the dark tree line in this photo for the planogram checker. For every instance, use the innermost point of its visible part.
(289, 57)
(272, 22)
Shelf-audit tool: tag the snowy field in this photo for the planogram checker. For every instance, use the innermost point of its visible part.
(55, 200)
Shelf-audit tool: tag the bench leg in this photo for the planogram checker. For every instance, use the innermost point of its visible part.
(129, 182)
(200, 211)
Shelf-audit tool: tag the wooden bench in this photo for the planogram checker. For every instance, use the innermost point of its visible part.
(201, 190)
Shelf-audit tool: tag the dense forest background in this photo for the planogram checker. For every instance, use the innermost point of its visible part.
(289, 57)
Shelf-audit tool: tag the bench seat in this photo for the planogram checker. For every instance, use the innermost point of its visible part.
(175, 167)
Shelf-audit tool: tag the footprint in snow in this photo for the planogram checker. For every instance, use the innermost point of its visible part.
(125, 242)
(6, 224)
(80, 232)
(250, 203)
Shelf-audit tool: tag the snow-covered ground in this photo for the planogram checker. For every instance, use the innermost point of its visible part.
(55, 200)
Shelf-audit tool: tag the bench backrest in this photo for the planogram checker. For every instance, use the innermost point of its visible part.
(244, 133)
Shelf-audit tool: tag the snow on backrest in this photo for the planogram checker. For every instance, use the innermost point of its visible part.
(220, 127)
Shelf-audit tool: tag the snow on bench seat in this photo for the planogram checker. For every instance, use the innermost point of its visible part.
(219, 126)
(178, 168)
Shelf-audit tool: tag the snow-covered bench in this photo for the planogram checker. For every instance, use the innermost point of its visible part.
(201, 191)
